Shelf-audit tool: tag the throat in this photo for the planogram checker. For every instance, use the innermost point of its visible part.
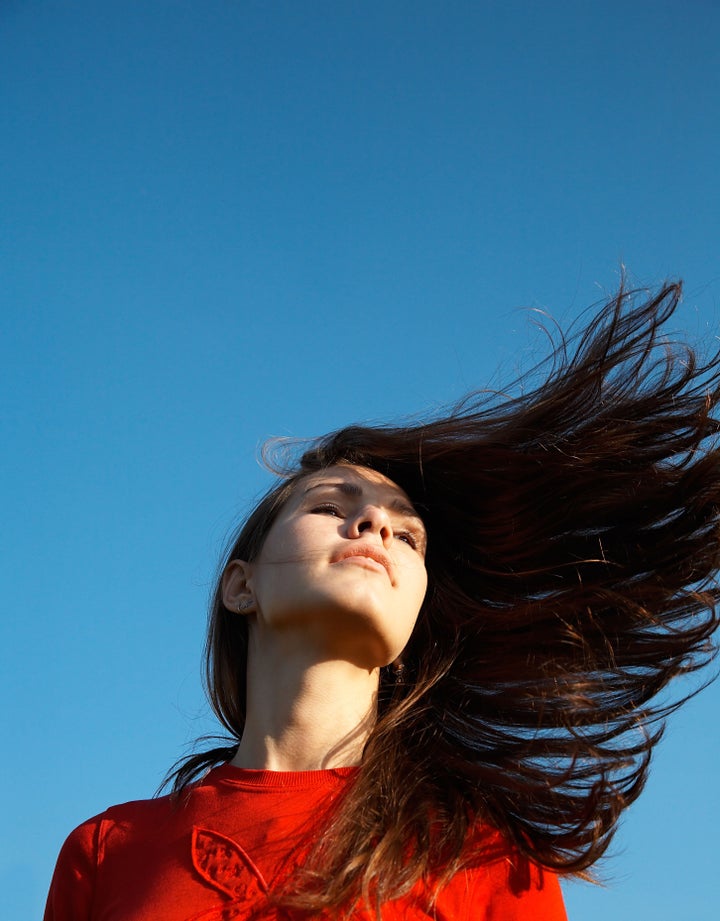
(307, 719)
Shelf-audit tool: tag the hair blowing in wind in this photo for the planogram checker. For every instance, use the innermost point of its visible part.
(574, 541)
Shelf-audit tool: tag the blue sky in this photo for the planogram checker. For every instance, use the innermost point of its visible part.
(225, 221)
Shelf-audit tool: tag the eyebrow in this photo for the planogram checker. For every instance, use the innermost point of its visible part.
(352, 489)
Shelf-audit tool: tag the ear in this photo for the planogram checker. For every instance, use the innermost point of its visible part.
(236, 592)
(397, 667)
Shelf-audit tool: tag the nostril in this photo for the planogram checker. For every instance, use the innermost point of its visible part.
(375, 521)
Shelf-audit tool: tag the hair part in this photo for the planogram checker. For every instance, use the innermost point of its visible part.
(574, 544)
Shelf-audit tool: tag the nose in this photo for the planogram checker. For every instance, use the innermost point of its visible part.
(372, 519)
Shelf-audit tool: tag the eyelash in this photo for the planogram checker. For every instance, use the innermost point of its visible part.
(328, 508)
(407, 536)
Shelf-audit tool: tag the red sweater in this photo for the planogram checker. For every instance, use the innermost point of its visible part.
(214, 855)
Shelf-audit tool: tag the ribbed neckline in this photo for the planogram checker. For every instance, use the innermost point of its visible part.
(279, 780)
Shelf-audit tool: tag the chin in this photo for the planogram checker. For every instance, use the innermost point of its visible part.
(358, 627)
(363, 641)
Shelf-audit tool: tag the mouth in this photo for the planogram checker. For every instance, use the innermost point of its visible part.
(370, 557)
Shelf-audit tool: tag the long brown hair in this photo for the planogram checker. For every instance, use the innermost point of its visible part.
(574, 542)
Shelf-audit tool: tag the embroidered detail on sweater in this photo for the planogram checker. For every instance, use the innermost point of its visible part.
(225, 865)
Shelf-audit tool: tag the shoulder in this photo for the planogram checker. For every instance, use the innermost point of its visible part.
(499, 884)
(84, 844)
(75, 877)
(498, 892)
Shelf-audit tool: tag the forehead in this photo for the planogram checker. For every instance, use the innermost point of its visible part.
(363, 482)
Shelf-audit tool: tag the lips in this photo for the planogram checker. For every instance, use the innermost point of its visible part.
(369, 553)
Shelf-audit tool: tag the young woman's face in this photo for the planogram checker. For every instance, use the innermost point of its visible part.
(343, 566)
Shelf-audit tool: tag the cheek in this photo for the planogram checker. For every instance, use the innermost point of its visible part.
(415, 590)
(415, 573)
(285, 545)
(417, 581)
(302, 537)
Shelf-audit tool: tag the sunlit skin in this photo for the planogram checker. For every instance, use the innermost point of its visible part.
(332, 597)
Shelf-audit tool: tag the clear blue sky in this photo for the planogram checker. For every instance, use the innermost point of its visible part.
(227, 220)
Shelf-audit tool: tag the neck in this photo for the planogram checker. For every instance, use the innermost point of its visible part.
(304, 713)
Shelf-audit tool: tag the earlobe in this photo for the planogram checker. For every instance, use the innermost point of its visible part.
(237, 594)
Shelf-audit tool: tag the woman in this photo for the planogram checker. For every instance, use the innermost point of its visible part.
(437, 650)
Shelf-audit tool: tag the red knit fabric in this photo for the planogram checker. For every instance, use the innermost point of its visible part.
(215, 854)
